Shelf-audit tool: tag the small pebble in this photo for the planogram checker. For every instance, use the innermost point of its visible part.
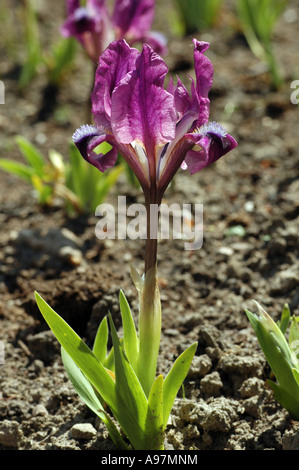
(40, 410)
(83, 431)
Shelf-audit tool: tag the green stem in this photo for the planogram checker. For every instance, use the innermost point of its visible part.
(273, 67)
(149, 298)
(152, 202)
(149, 329)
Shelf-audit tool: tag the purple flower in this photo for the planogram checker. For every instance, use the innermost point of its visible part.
(156, 129)
(94, 27)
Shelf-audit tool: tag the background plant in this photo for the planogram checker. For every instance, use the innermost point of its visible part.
(78, 184)
(258, 20)
(55, 61)
(198, 14)
(281, 355)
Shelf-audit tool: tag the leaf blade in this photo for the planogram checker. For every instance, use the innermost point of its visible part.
(174, 380)
(130, 333)
(129, 388)
(88, 395)
(154, 423)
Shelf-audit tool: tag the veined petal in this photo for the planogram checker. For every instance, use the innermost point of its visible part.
(171, 159)
(211, 143)
(203, 68)
(133, 18)
(142, 110)
(86, 139)
(204, 78)
(115, 62)
(182, 99)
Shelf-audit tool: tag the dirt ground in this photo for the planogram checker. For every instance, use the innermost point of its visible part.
(250, 250)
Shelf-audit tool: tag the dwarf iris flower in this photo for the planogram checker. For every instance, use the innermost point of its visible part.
(94, 27)
(156, 129)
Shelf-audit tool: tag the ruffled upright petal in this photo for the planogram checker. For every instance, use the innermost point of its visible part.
(142, 110)
(114, 64)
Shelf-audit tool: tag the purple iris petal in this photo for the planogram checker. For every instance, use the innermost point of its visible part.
(182, 99)
(78, 23)
(204, 78)
(87, 138)
(71, 6)
(213, 142)
(114, 64)
(133, 17)
(171, 159)
(95, 28)
(142, 110)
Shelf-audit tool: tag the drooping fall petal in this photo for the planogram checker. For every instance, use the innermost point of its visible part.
(87, 138)
(211, 143)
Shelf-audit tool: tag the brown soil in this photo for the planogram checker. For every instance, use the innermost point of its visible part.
(226, 404)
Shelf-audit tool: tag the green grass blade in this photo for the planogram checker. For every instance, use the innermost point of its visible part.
(175, 378)
(33, 157)
(101, 340)
(89, 396)
(284, 321)
(289, 401)
(17, 169)
(130, 334)
(104, 185)
(154, 424)
(294, 341)
(274, 346)
(63, 56)
(296, 375)
(74, 172)
(32, 44)
(79, 352)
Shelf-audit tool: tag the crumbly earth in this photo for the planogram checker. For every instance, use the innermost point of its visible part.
(250, 249)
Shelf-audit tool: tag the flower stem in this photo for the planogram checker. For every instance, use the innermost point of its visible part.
(149, 299)
(149, 329)
(152, 202)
